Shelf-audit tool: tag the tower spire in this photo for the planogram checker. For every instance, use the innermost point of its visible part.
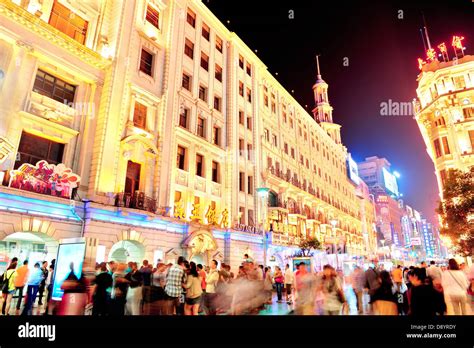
(317, 64)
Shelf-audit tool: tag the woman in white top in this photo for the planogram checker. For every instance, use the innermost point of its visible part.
(455, 284)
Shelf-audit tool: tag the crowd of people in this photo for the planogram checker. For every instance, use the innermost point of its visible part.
(187, 288)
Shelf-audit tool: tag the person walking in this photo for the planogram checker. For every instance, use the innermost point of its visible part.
(385, 298)
(423, 299)
(304, 303)
(455, 286)
(211, 282)
(75, 295)
(289, 279)
(8, 287)
(119, 289)
(42, 287)
(372, 281)
(101, 296)
(174, 286)
(135, 291)
(193, 288)
(20, 282)
(358, 282)
(435, 274)
(146, 272)
(34, 280)
(268, 285)
(279, 280)
(397, 275)
(333, 291)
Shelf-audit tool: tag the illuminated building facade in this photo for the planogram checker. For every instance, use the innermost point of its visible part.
(173, 137)
(444, 109)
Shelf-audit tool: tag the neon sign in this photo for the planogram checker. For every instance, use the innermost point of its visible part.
(45, 178)
(457, 42)
(421, 62)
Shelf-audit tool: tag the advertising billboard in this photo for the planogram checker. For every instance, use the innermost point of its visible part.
(352, 170)
(70, 254)
(416, 241)
(390, 181)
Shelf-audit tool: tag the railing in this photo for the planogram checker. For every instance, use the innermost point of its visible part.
(136, 201)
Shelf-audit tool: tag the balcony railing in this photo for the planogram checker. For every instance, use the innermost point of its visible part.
(137, 201)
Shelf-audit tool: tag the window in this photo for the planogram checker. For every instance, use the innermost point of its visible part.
(250, 185)
(241, 88)
(293, 152)
(307, 163)
(139, 115)
(269, 162)
(146, 62)
(459, 82)
(241, 62)
(274, 140)
(177, 196)
(284, 117)
(291, 123)
(199, 165)
(203, 93)
(201, 125)
(206, 33)
(218, 73)
(242, 215)
(33, 149)
(189, 48)
(68, 22)
(266, 134)
(249, 152)
(446, 146)
(241, 117)
(204, 61)
(191, 18)
(249, 95)
(437, 148)
(249, 123)
(217, 103)
(183, 118)
(241, 147)
(53, 87)
(286, 148)
(273, 107)
(251, 221)
(442, 174)
(186, 83)
(249, 69)
(216, 135)
(468, 112)
(180, 158)
(471, 137)
(241, 182)
(215, 171)
(265, 100)
(219, 44)
(153, 16)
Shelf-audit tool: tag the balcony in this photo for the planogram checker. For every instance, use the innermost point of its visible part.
(138, 201)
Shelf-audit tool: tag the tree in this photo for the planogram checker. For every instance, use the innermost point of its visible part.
(306, 246)
(457, 210)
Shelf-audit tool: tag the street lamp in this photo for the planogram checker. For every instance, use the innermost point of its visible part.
(262, 193)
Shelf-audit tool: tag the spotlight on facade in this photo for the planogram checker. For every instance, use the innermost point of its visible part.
(263, 191)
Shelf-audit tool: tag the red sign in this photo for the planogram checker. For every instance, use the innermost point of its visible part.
(45, 178)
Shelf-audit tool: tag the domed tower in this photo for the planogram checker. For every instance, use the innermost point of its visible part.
(322, 112)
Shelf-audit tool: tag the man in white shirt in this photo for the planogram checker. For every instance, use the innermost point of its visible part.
(289, 278)
(434, 272)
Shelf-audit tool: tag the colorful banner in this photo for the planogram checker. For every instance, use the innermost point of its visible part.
(45, 178)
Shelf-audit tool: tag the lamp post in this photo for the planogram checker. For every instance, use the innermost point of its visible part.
(262, 193)
(334, 223)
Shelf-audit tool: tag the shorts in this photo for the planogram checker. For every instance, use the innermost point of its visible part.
(288, 289)
(193, 301)
(9, 292)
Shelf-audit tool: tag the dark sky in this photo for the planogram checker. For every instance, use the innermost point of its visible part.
(382, 51)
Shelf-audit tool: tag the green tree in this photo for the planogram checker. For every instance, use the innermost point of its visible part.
(307, 246)
(457, 210)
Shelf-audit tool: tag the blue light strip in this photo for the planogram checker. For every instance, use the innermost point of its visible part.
(34, 206)
(136, 219)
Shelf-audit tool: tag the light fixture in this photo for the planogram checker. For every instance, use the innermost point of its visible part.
(397, 174)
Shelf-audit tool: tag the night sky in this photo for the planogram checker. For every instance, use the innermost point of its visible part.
(382, 51)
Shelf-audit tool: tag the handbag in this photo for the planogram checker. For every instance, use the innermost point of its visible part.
(6, 282)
